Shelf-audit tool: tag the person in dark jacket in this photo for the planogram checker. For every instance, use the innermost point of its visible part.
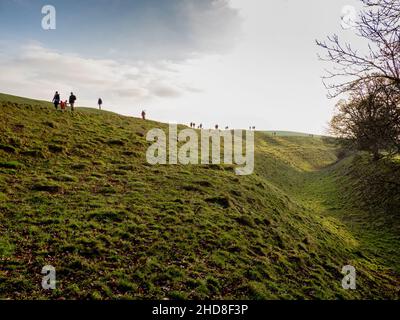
(72, 99)
(56, 100)
(100, 102)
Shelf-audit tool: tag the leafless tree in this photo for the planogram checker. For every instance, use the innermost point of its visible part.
(379, 25)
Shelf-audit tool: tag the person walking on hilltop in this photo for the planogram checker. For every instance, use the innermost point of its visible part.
(100, 102)
(56, 100)
(144, 115)
(72, 99)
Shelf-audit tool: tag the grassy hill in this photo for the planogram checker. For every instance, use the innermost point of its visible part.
(77, 193)
(290, 134)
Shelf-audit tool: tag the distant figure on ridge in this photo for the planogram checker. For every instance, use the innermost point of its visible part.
(72, 99)
(144, 115)
(56, 100)
(100, 102)
(216, 127)
(201, 126)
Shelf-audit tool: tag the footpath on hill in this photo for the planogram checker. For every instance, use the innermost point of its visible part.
(327, 192)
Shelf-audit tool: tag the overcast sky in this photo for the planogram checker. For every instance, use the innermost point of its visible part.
(236, 63)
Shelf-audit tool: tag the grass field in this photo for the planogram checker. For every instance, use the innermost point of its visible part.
(77, 193)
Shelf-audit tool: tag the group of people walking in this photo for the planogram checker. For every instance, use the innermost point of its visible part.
(72, 99)
(200, 126)
(64, 103)
(70, 102)
(193, 125)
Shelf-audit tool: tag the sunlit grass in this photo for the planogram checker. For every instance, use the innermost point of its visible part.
(76, 192)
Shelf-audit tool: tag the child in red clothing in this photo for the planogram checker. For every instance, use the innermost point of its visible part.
(63, 105)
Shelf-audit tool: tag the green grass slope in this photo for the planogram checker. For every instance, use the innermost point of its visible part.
(290, 134)
(77, 193)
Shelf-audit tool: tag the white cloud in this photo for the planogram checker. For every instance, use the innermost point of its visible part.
(37, 72)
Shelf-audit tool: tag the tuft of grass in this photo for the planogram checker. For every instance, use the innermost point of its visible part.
(223, 201)
(3, 197)
(6, 248)
(78, 166)
(33, 153)
(10, 164)
(115, 142)
(51, 188)
(108, 215)
(65, 178)
(7, 148)
(55, 148)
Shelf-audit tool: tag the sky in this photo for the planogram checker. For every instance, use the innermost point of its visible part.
(235, 63)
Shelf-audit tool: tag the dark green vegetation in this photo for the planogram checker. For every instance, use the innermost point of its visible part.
(77, 193)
